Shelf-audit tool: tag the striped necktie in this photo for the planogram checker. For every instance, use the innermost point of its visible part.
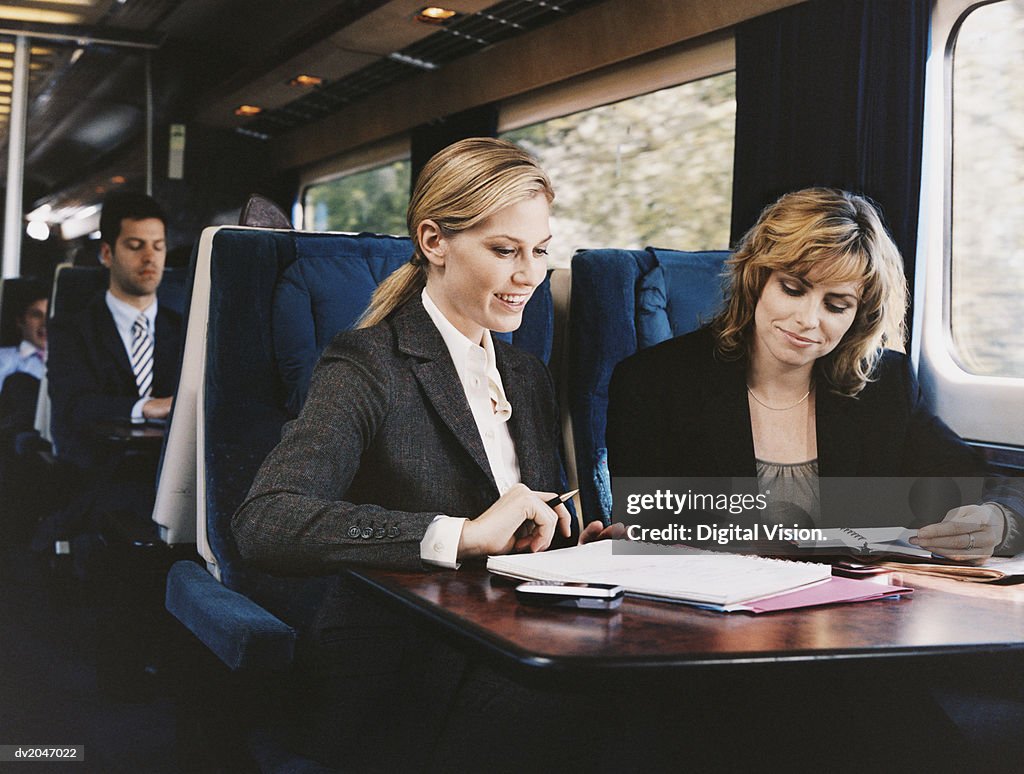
(142, 355)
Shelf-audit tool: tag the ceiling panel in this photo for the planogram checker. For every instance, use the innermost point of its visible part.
(87, 100)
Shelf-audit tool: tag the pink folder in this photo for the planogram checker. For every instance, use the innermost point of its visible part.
(828, 592)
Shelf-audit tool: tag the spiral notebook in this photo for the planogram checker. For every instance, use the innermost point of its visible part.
(661, 572)
(869, 541)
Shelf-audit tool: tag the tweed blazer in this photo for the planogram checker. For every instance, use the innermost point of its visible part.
(677, 409)
(90, 377)
(385, 442)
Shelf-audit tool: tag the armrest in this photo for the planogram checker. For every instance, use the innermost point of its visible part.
(241, 633)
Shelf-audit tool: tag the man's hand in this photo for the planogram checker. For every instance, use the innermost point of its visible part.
(518, 521)
(157, 408)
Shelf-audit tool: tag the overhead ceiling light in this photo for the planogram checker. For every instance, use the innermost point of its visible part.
(6, 63)
(306, 81)
(422, 64)
(248, 110)
(4, 99)
(42, 212)
(434, 14)
(38, 230)
(8, 48)
(6, 88)
(17, 13)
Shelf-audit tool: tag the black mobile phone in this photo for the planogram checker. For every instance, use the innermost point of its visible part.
(586, 596)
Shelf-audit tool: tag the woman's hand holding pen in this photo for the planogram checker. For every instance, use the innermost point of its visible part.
(519, 520)
(969, 533)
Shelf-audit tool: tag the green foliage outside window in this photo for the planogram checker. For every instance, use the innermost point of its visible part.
(373, 200)
(987, 252)
(651, 170)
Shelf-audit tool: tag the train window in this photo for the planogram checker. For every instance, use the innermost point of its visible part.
(968, 324)
(987, 244)
(655, 169)
(372, 199)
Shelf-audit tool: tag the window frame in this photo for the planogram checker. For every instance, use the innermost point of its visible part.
(979, 408)
(691, 60)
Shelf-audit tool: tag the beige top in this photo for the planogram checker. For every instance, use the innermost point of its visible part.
(792, 492)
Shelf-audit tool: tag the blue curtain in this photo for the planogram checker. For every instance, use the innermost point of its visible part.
(831, 92)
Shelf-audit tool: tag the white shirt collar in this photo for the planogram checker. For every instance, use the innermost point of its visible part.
(464, 352)
(125, 314)
(27, 349)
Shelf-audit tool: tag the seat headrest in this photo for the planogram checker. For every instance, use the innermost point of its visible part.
(261, 212)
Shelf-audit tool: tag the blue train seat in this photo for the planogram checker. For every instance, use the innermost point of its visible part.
(623, 301)
(264, 304)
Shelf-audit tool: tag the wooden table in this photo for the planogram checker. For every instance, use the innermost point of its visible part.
(796, 690)
(941, 618)
(142, 433)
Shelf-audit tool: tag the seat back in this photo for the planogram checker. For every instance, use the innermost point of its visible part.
(265, 303)
(73, 286)
(174, 508)
(623, 301)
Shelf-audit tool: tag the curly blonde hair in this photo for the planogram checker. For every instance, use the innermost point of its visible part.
(839, 236)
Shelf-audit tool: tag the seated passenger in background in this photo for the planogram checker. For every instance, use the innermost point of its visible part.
(29, 357)
(117, 360)
(792, 380)
(21, 369)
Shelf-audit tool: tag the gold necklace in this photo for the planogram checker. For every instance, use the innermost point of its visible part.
(773, 408)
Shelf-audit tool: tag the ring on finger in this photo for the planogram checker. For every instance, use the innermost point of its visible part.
(970, 541)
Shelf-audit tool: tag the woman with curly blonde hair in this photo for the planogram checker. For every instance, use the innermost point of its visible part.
(801, 375)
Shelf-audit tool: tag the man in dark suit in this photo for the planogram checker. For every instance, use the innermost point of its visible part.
(115, 361)
(92, 376)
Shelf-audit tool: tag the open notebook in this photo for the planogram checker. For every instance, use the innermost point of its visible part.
(869, 541)
(662, 572)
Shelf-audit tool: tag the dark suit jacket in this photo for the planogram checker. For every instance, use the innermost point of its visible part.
(385, 442)
(677, 409)
(90, 377)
